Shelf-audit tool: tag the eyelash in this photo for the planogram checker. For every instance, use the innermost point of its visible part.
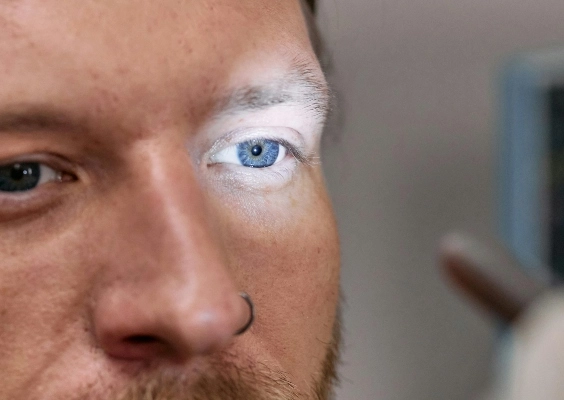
(295, 152)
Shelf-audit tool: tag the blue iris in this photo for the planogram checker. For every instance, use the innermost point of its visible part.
(19, 177)
(258, 153)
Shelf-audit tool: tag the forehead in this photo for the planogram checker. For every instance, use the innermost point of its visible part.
(165, 25)
(98, 53)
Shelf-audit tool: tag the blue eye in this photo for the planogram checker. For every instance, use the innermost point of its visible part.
(258, 153)
(21, 177)
(254, 153)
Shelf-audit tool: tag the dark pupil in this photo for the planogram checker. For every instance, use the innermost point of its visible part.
(256, 150)
(19, 177)
(19, 171)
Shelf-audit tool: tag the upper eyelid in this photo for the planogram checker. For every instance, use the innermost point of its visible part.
(32, 158)
(240, 136)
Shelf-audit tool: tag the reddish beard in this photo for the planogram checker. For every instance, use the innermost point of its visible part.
(238, 384)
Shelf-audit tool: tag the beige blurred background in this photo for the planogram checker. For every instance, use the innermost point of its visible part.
(417, 158)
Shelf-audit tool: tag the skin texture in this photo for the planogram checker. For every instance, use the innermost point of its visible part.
(120, 279)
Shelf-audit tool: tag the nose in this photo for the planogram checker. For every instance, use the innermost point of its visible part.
(164, 290)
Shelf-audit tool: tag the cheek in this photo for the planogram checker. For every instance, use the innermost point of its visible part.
(41, 309)
(283, 249)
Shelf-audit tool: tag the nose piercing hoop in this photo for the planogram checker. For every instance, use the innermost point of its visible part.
(245, 328)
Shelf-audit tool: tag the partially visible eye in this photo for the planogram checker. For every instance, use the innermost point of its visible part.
(25, 176)
(254, 153)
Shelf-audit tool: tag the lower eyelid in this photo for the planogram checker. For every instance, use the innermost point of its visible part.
(238, 176)
(28, 204)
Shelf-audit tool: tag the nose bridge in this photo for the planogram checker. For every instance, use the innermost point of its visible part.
(168, 281)
(167, 205)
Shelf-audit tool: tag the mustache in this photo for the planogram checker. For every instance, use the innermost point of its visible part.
(222, 381)
(225, 380)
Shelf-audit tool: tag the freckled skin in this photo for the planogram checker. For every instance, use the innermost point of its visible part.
(142, 243)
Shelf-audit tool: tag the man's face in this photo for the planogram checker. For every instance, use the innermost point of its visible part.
(157, 158)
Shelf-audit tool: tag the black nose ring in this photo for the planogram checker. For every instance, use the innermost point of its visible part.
(245, 328)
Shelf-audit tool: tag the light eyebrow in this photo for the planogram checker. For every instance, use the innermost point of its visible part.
(302, 86)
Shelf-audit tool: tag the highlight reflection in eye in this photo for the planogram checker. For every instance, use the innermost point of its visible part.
(25, 176)
(254, 153)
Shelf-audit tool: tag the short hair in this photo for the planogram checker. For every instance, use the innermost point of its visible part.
(335, 119)
(312, 5)
(309, 9)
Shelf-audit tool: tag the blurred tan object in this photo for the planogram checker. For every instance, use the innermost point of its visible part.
(489, 276)
(494, 280)
(536, 370)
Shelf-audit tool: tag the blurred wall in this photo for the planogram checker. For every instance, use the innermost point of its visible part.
(417, 158)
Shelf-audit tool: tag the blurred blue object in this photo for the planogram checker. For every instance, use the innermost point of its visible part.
(532, 154)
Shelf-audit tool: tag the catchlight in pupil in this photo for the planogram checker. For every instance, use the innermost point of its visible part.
(18, 172)
(256, 150)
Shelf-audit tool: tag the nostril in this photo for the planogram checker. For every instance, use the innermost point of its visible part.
(142, 339)
(137, 347)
